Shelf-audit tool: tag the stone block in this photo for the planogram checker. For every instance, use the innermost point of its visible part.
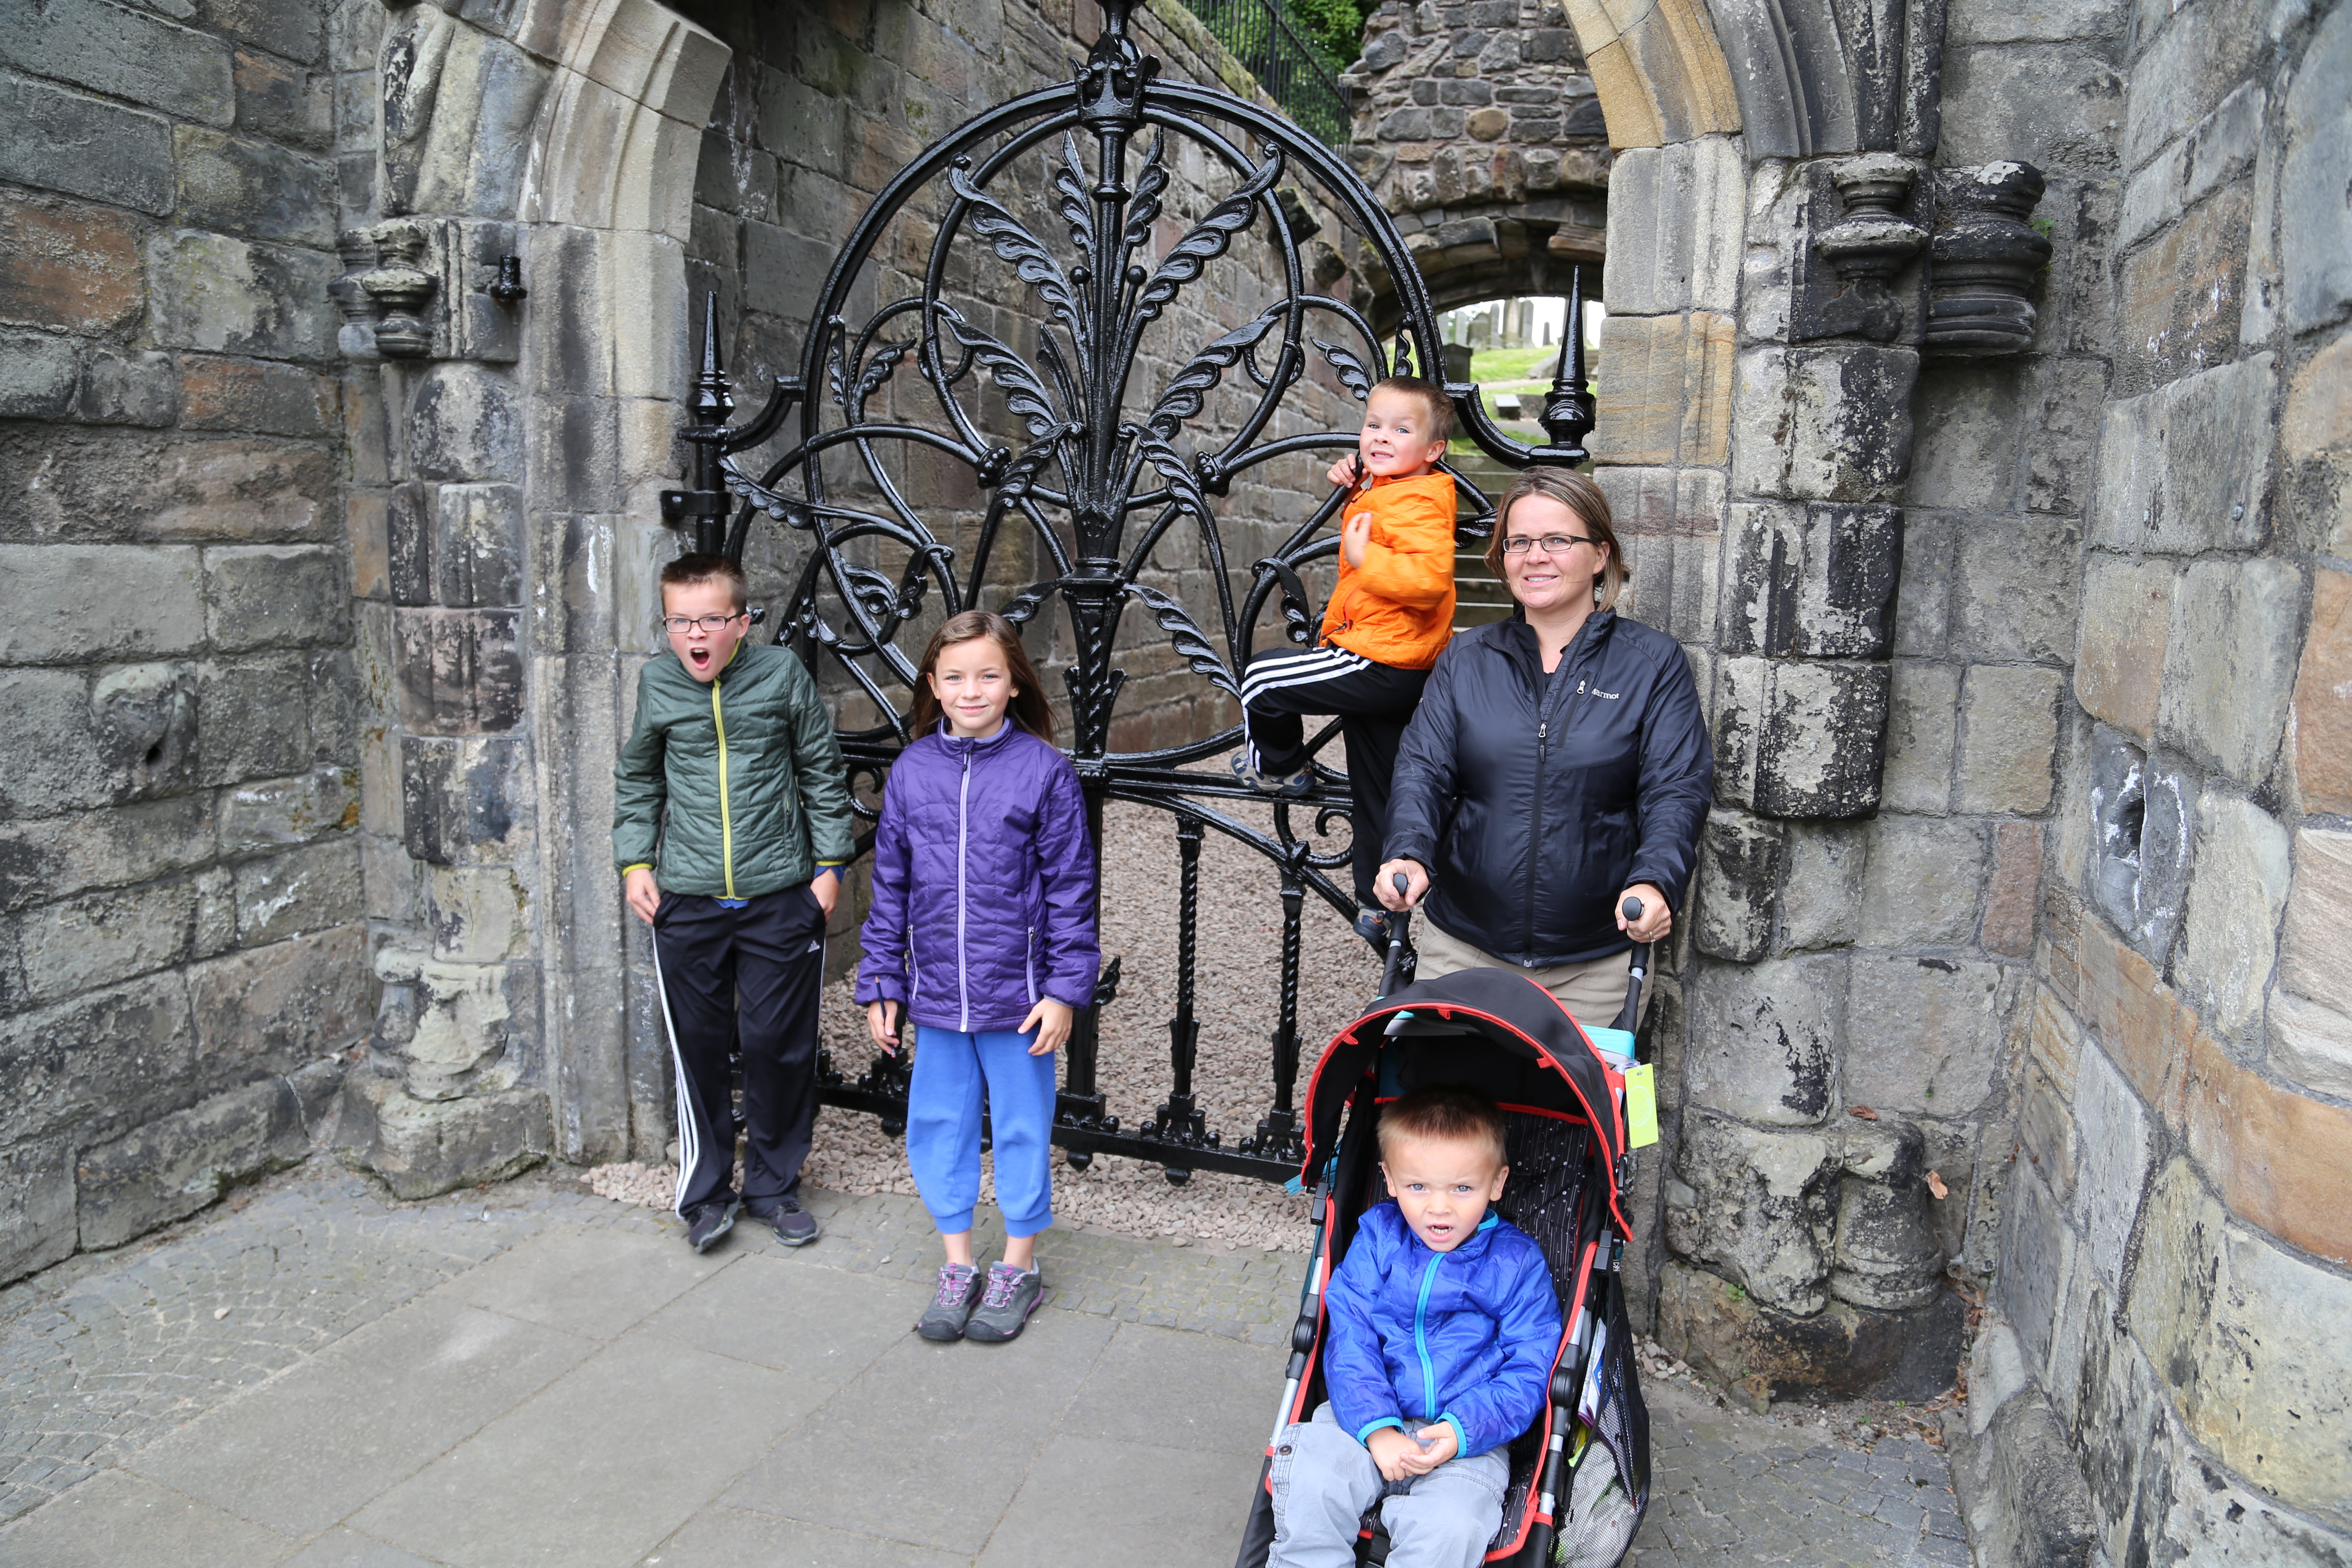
(275, 595)
(2126, 621)
(1670, 380)
(1762, 1206)
(81, 944)
(2035, 1264)
(71, 265)
(2246, 1338)
(282, 102)
(128, 388)
(2276, 1156)
(1885, 1255)
(460, 671)
(477, 914)
(2045, 1133)
(2228, 672)
(124, 53)
(367, 527)
(2014, 592)
(1739, 871)
(2184, 468)
(255, 394)
(2182, 297)
(235, 184)
(272, 814)
(2314, 958)
(1922, 724)
(2008, 739)
(1970, 420)
(1675, 251)
(311, 887)
(255, 719)
(479, 544)
(1800, 739)
(1840, 1353)
(232, 489)
(464, 424)
(464, 800)
(39, 372)
(179, 1164)
(1923, 601)
(2061, 433)
(1822, 890)
(37, 1206)
(1686, 501)
(1764, 1039)
(2116, 1137)
(125, 735)
(2229, 939)
(459, 1029)
(2138, 1020)
(233, 295)
(85, 146)
(1829, 423)
(2314, 226)
(2055, 107)
(1922, 882)
(56, 858)
(2017, 1486)
(2321, 715)
(1816, 581)
(2311, 1044)
(273, 1008)
(424, 1148)
(106, 1059)
(1924, 1035)
(2143, 833)
(73, 603)
(2015, 890)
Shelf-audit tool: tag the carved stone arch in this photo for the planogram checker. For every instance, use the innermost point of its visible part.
(606, 204)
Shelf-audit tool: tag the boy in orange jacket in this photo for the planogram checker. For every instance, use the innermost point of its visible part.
(1388, 618)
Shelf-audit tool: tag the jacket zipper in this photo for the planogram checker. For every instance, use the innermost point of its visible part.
(726, 821)
(963, 977)
(1543, 746)
(1420, 1339)
(1030, 961)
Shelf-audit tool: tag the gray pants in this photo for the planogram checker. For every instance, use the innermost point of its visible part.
(1324, 1480)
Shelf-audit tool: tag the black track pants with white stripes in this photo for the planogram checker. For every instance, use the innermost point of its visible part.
(753, 972)
(1374, 702)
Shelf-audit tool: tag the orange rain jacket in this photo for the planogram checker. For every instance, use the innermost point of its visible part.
(1397, 608)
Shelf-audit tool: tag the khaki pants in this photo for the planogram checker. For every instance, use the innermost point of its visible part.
(1593, 993)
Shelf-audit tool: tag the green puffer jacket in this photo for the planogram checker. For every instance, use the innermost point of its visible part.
(760, 816)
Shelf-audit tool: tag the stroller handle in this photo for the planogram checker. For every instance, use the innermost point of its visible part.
(1399, 938)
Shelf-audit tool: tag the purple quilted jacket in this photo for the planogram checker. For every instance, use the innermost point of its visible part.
(984, 876)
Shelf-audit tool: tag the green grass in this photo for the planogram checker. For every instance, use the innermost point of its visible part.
(1493, 367)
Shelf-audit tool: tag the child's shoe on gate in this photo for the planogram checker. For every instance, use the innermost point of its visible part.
(950, 1309)
(1013, 1295)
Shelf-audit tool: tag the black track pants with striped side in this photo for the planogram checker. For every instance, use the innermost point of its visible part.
(752, 972)
(1374, 703)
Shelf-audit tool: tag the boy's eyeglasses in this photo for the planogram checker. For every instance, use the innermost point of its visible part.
(678, 625)
(1553, 543)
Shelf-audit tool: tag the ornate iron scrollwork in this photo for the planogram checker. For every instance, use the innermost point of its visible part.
(1096, 477)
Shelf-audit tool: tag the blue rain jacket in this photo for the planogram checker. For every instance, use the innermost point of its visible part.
(1416, 1337)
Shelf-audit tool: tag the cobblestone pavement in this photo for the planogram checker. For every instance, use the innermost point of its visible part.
(322, 1375)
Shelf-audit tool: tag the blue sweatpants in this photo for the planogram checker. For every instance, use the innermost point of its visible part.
(943, 1126)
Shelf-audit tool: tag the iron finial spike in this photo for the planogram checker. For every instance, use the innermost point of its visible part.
(711, 403)
(1567, 378)
(1114, 16)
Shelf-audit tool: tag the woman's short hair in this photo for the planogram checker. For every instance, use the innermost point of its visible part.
(1453, 1113)
(1580, 496)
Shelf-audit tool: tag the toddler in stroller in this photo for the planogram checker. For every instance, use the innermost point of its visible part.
(1577, 1471)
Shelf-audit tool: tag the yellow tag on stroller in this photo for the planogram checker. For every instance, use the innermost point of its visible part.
(1640, 1107)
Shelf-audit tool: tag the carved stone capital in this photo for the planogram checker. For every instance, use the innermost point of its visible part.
(1986, 255)
(1873, 241)
(400, 289)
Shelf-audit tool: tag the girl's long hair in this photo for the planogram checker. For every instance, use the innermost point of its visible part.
(1579, 495)
(1028, 708)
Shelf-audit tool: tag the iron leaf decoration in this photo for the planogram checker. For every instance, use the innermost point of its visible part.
(1075, 207)
(1024, 392)
(1185, 634)
(1030, 260)
(1187, 392)
(1209, 239)
(1352, 373)
(1143, 209)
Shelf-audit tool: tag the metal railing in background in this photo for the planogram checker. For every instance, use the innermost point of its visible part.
(1298, 74)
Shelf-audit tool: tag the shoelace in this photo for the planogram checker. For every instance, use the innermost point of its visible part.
(1001, 1283)
(954, 1280)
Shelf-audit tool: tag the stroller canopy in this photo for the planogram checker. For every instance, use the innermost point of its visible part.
(1541, 1061)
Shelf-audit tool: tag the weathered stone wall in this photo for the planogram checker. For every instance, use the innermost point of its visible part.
(1478, 126)
(2173, 1270)
(181, 954)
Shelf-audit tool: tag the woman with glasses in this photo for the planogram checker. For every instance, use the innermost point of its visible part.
(1557, 765)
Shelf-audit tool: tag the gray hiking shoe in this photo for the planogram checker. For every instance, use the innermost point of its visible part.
(1290, 788)
(1013, 1295)
(950, 1307)
(710, 1221)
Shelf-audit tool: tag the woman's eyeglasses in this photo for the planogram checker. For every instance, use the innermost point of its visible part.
(678, 625)
(1551, 543)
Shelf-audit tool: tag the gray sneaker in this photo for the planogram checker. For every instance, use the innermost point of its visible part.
(1013, 1295)
(959, 1293)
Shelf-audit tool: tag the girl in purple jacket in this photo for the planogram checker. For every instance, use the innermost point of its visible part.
(982, 935)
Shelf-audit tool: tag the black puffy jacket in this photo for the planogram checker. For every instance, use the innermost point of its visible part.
(1535, 799)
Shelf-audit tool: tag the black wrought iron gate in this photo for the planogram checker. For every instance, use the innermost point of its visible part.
(1084, 473)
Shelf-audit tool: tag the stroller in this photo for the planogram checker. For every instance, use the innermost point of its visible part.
(1580, 1472)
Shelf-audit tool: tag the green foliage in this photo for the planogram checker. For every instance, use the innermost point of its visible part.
(1335, 26)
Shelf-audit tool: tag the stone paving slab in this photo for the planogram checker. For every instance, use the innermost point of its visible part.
(321, 1377)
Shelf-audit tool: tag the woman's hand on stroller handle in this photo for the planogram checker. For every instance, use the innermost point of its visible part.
(1643, 912)
(1401, 884)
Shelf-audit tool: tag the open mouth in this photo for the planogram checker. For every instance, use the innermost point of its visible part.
(698, 656)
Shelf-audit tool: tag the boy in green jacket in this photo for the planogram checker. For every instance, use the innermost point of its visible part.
(732, 784)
